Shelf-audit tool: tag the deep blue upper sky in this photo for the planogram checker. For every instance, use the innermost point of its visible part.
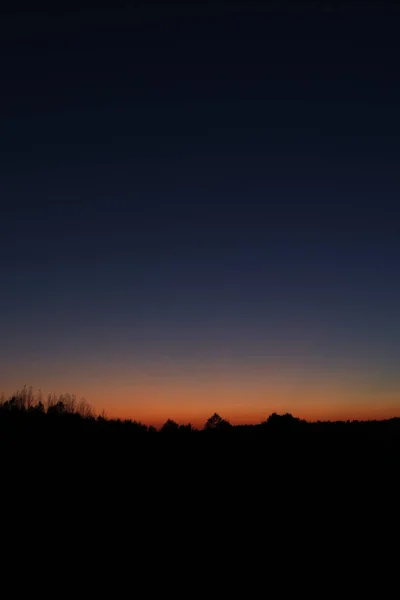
(219, 181)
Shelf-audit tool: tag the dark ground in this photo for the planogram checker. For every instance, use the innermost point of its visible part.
(200, 512)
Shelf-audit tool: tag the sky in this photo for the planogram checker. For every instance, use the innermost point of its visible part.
(200, 208)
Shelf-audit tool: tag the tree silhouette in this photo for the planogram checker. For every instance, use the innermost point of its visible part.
(56, 409)
(286, 421)
(216, 423)
(170, 427)
(186, 428)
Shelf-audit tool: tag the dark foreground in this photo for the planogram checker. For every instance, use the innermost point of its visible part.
(218, 508)
(248, 462)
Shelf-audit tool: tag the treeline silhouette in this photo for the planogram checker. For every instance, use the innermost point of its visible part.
(69, 423)
(79, 466)
(26, 406)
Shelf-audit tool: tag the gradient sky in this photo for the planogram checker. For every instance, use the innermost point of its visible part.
(200, 209)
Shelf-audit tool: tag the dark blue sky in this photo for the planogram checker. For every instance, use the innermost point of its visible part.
(205, 189)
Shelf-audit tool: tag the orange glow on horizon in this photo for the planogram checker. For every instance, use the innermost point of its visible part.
(240, 398)
(155, 406)
(198, 418)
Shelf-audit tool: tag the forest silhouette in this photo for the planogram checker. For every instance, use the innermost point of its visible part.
(66, 467)
(64, 427)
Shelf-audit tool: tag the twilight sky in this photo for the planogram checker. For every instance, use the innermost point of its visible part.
(200, 209)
